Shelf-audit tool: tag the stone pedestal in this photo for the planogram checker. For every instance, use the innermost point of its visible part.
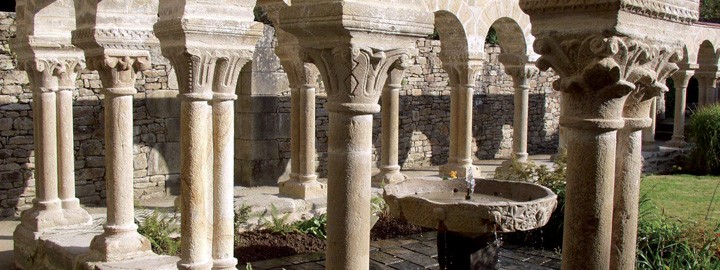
(458, 251)
(681, 79)
(389, 167)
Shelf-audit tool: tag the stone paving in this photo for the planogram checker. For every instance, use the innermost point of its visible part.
(417, 252)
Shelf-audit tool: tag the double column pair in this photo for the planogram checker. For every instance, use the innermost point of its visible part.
(462, 83)
(52, 83)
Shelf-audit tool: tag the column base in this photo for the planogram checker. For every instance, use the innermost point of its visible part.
(43, 216)
(676, 143)
(74, 214)
(388, 176)
(650, 146)
(194, 266)
(224, 264)
(303, 190)
(118, 245)
(460, 170)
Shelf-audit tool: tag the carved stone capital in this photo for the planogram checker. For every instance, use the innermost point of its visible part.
(354, 74)
(598, 72)
(463, 73)
(52, 74)
(118, 71)
(200, 72)
(522, 74)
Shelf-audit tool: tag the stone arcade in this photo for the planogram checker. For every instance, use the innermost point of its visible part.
(611, 58)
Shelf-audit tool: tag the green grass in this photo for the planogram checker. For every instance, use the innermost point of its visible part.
(683, 197)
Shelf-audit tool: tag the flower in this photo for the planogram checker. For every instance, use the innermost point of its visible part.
(453, 174)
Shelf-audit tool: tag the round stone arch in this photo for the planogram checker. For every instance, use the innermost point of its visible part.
(512, 26)
(707, 56)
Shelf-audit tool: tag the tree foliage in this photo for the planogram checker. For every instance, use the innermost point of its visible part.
(710, 11)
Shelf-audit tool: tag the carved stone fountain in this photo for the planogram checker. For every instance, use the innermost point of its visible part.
(467, 226)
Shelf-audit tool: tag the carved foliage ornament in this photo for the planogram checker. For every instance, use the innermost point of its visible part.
(357, 74)
(603, 63)
(663, 64)
(46, 74)
(202, 71)
(118, 71)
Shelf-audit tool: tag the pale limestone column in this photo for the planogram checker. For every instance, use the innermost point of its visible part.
(73, 212)
(682, 79)
(462, 82)
(194, 133)
(389, 167)
(223, 110)
(303, 78)
(648, 133)
(520, 75)
(120, 239)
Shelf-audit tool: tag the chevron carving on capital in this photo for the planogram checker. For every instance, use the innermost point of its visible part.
(355, 74)
(601, 62)
(118, 71)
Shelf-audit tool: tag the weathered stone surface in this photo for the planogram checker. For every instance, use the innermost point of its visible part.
(164, 158)
(163, 104)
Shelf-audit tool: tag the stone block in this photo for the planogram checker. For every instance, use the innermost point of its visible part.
(140, 161)
(257, 150)
(163, 103)
(91, 148)
(6, 123)
(263, 126)
(172, 127)
(164, 158)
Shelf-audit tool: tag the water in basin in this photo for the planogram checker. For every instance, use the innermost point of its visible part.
(456, 197)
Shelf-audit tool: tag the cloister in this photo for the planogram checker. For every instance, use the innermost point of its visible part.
(612, 59)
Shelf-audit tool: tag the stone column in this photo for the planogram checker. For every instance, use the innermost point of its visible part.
(521, 75)
(302, 76)
(46, 212)
(120, 239)
(389, 167)
(462, 81)
(682, 79)
(223, 124)
(73, 212)
(637, 112)
(648, 133)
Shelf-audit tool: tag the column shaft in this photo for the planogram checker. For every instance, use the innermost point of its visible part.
(193, 183)
(389, 167)
(295, 120)
(66, 155)
(45, 120)
(454, 120)
(349, 172)
(306, 133)
(628, 171)
(648, 134)
(464, 133)
(223, 210)
(520, 122)
(678, 137)
(589, 198)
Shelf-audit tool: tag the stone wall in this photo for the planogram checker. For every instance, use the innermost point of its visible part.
(262, 123)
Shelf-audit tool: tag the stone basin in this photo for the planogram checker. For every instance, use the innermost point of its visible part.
(496, 206)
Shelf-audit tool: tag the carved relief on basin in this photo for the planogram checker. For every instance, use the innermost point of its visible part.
(495, 206)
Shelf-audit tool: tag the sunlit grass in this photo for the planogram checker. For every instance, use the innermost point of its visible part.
(683, 197)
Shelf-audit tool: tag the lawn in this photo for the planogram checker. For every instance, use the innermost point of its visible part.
(685, 197)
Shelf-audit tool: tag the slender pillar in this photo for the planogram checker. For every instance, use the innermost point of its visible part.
(465, 129)
(389, 167)
(628, 171)
(648, 133)
(520, 74)
(120, 239)
(682, 79)
(73, 213)
(223, 110)
(303, 76)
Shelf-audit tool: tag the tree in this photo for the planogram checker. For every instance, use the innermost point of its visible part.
(710, 11)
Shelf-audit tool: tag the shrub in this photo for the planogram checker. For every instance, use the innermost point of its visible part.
(278, 224)
(315, 226)
(704, 129)
(162, 232)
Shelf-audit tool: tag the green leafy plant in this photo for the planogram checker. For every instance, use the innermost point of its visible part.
(278, 224)
(315, 226)
(672, 244)
(704, 129)
(161, 230)
(242, 215)
(377, 204)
